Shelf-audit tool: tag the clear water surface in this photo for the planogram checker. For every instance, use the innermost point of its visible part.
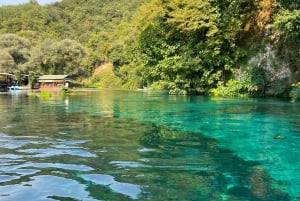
(132, 145)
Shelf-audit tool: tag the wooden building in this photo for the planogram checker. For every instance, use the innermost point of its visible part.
(53, 82)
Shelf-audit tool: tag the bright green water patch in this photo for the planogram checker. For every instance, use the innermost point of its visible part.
(122, 145)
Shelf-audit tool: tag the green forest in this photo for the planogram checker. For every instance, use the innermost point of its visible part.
(239, 48)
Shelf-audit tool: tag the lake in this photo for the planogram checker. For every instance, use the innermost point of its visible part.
(136, 145)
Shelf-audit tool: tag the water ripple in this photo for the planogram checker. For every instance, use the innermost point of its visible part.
(130, 190)
(59, 166)
(42, 153)
(45, 188)
(6, 178)
(131, 164)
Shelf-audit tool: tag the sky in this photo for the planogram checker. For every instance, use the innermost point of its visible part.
(16, 2)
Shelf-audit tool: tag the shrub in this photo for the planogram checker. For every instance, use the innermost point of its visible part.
(295, 92)
(233, 88)
(45, 95)
(254, 80)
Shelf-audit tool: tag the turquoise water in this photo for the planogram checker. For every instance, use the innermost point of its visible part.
(132, 145)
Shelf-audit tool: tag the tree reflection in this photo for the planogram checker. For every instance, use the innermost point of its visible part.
(186, 164)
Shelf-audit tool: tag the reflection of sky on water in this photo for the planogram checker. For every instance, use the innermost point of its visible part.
(64, 147)
(44, 187)
(42, 153)
(130, 190)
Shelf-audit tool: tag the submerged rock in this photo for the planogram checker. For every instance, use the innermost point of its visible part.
(278, 137)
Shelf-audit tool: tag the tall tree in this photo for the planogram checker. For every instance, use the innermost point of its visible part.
(18, 49)
(53, 57)
(7, 63)
(183, 44)
(286, 35)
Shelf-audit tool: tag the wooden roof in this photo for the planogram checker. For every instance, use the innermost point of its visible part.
(53, 77)
(44, 78)
(7, 74)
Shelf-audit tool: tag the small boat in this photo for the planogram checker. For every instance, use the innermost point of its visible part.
(15, 88)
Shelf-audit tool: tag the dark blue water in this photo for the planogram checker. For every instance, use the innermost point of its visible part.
(126, 145)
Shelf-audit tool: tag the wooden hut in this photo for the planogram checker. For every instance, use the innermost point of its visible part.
(53, 82)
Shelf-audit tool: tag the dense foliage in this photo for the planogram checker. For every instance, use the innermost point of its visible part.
(222, 47)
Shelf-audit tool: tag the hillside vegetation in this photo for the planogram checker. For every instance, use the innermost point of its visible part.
(222, 47)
